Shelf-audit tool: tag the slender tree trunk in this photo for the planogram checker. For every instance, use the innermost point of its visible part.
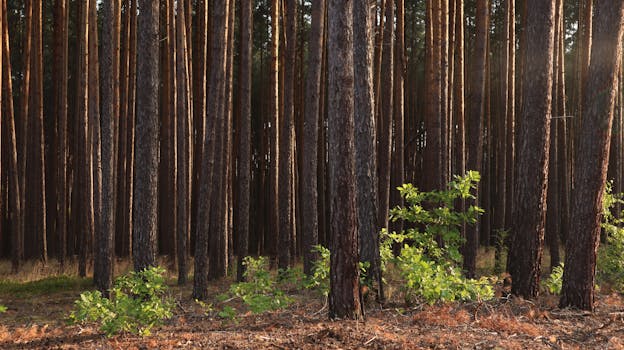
(286, 136)
(365, 140)
(309, 166)
(385, 137)
(562, 133)
(199, 101)
(183, 138)
(474, 125)
(592, 157)
(166, 177)
(244, 127)
(344, 296)
(215, 106)
(531, 180)
(82, 182)
(103, 266)
(274, 111)
(15, 208)
(398, 156)
(61, 46)
(145, 208)
(95, 141)
(511, 111)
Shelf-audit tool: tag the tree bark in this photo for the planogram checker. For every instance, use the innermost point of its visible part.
(592, 157)
(531, 180)
(385, 138)
(244, 127)
(215, 108)
(344, 295)
(365, 141)
(474, 125)
(145, 206)
(309, 168)
(182, 137)
(15, 208)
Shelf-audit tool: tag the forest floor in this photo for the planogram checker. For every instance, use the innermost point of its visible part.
(37, 313)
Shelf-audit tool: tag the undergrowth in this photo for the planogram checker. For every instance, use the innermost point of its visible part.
(137, 303)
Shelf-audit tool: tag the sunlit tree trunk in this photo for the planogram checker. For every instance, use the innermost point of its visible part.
(17, 248)
(309, 166)
(531, 180)
(286, 135)
(183, 141)
(385, 116)
(592, 157)
(215, 107)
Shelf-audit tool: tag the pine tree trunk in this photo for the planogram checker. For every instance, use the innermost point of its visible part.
(286, 135)
(309, 166)
(385, 117)
(274, 112)
(365, 141)
(531, 180)
(215, 107)
(15, 208)
(593, 154)
(183, 138)
(244, 145)
(145, 206)
(344, 296)
(103, 265)
(474, 125)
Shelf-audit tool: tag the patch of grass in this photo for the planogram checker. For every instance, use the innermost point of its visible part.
(44, 286)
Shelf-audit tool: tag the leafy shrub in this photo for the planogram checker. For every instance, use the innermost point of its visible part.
(553, 283)
(259, 292)
(430, 270)
(610, 264)
(137, 303)
(321, 271)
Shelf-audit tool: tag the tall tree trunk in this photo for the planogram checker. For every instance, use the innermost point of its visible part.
(103, 265)
(562, 133)
(61, 47)
(95, 141)
(511, 110)
(531, 180)
(199, 103)
(145, 208)
(286, 135)
(274, 112)
(166, 180)
(398, 166)
(309, 166)
(344, 296)
(365, 140)
(183, 138)
(385, 117)
(215, 106)
(592, 157)
(474, 127)
(82, 182)
(244, 127)
(15, 208)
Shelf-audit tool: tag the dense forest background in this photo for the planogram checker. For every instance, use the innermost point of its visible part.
(207, 129)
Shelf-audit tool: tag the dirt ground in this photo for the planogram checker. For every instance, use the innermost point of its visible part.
(39, 322)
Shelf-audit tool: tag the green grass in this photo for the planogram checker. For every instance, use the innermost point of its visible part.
(44, 286)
